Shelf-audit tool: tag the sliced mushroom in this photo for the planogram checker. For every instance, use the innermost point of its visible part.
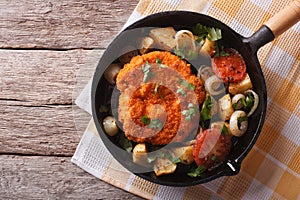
(110, 126)
(112, 72)
(240, 87)
(225, 107)
(236, 100)
(238, 123)
(184, 153)
(208, 48)
(127, 53)
(184, 40)
(139, 154)
(214, 85)
(164, 166)
(256, 101)
(205, 72)
(145, 44)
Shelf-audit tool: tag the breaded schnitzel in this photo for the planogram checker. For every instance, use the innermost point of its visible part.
(160, 98)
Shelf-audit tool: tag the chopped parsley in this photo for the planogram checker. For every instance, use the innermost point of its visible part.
(199, 171)
(146, 71)
(145, 120)
(224, 130)
(125, 143)
(181, 91)
(248, 102)
(205, 112)
(186, 84)
(155, 123)
(242, 119)
(190, 112)
(158, 61)
(214, 158)
(220, 52)
(213, 34)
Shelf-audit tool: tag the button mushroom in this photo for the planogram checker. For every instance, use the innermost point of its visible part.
(238, 123)
(256, 101)
(110, 126)
(214, 85)
(112, 72)
(237, 101)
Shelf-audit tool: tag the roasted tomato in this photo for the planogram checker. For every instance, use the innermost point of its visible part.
(230, 67)
(211, 147)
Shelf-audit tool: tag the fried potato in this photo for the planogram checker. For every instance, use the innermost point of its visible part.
(164, 37)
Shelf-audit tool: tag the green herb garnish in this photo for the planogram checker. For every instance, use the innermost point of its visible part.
(248, 102)
(146, 71)
(205, 112)
(224, 130)
(145, 120)
(220, 52)
(158, 61)
(186, 84)
(181, 91)
(175, 160)
(190, 112)
(242, 119)
(155, 123)
(213, 34)
(125, 143)
(214, 158)
(199, 171)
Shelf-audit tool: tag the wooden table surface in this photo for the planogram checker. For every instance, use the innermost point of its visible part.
(48, 50)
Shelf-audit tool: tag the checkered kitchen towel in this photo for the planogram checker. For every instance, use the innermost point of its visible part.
(272, 168)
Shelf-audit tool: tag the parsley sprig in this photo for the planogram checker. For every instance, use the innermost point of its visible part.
(190, 112)
(146, 70)
(199, 171)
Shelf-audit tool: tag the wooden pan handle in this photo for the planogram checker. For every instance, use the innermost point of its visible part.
(285, 18)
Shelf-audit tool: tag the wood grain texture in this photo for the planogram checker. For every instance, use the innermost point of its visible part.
(61, 24)
(38, 89)
(39, 177)
(45, 77)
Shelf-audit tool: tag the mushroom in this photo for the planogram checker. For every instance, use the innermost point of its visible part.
(184, 40)
(238, 123)
(225, 107)
(214, 85)
(236, 100)
(164, 166)
(205, 72)
(111, 72)
(127, 53)
(110, 126)
(256, 101)
(139, 154)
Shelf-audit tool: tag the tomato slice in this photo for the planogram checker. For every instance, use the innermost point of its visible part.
(230, 68)
(211, 148)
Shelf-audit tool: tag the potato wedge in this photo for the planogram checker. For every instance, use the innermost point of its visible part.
(208, 48)
(241, 87)
(164, 166)
(164, 37)
(139, 155)
(225, 107)
(145, 44)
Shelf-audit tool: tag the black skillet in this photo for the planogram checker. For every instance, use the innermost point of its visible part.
(248, 47)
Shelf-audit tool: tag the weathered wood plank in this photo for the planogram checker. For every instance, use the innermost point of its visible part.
(24, 177)
(45, 77)
(42, 130)
(62, 24)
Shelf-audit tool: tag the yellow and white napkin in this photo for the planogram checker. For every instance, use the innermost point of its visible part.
(272, 168)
